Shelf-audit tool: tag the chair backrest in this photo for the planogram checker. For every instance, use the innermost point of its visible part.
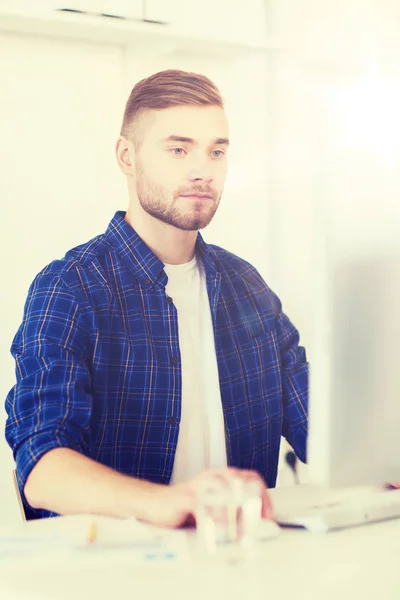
(17, 492)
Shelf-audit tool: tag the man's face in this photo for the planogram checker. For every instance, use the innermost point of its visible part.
(181, 164)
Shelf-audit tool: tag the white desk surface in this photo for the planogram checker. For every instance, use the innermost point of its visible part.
(360, 563)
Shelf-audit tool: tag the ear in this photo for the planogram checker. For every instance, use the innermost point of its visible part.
(125, 155)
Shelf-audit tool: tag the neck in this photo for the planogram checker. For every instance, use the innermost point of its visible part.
(171, 245)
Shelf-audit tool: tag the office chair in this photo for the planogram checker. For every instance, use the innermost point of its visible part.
(19, 499)
(27, 514)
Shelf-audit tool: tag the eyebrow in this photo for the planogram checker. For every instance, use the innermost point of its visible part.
(187, 140)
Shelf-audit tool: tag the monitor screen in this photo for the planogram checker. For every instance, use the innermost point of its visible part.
(354, 434)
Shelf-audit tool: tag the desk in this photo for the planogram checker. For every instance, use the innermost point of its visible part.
(361, 563)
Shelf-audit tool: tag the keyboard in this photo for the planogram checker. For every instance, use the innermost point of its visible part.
(329, 514)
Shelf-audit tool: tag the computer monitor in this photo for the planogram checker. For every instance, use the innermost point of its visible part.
(354, 429)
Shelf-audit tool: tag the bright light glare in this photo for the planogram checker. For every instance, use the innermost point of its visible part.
(370, 113)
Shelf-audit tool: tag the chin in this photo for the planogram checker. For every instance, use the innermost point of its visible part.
(190, 226)
(194, 223)
(186, 220)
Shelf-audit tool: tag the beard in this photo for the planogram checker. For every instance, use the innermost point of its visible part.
(186, 214)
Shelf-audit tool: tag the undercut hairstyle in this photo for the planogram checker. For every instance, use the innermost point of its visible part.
(163, 90)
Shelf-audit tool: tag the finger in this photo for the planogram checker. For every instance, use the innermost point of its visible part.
(230, 474)
(267, 511)
(266, 504)
(225, 476)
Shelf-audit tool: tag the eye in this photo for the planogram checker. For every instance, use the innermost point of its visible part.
(217, 153)
(178, 151)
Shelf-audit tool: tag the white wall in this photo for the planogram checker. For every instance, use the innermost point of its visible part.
(334, 129)
(62, 106)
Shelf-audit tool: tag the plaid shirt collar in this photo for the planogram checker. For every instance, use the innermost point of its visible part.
(142, 261)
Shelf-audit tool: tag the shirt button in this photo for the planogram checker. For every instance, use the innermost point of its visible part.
(173, 420)
(174, 360)
(147, 282)
(169, 300)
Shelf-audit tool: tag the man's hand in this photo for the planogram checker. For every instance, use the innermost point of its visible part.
(175, 505)
(67, 482)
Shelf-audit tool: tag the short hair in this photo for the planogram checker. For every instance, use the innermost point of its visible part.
(165, 89)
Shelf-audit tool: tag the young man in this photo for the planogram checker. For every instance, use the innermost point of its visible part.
(147, 357)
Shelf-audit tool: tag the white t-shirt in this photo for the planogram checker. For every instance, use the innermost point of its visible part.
(201, 440)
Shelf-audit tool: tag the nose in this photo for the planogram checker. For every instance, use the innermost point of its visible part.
(201, 171)
(200, 177)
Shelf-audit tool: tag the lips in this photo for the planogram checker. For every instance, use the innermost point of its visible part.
(199, 196)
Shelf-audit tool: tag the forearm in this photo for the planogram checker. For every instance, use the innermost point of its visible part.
(67, 482)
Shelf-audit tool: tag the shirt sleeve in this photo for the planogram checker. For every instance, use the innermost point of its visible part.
(50, 406)
(294, 367)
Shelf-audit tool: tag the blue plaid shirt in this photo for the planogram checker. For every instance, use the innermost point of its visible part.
(98, 364)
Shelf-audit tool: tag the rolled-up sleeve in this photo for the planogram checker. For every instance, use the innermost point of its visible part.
(295, 374)
(50, 406)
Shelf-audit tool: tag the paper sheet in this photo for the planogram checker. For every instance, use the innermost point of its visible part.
(88, 538)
